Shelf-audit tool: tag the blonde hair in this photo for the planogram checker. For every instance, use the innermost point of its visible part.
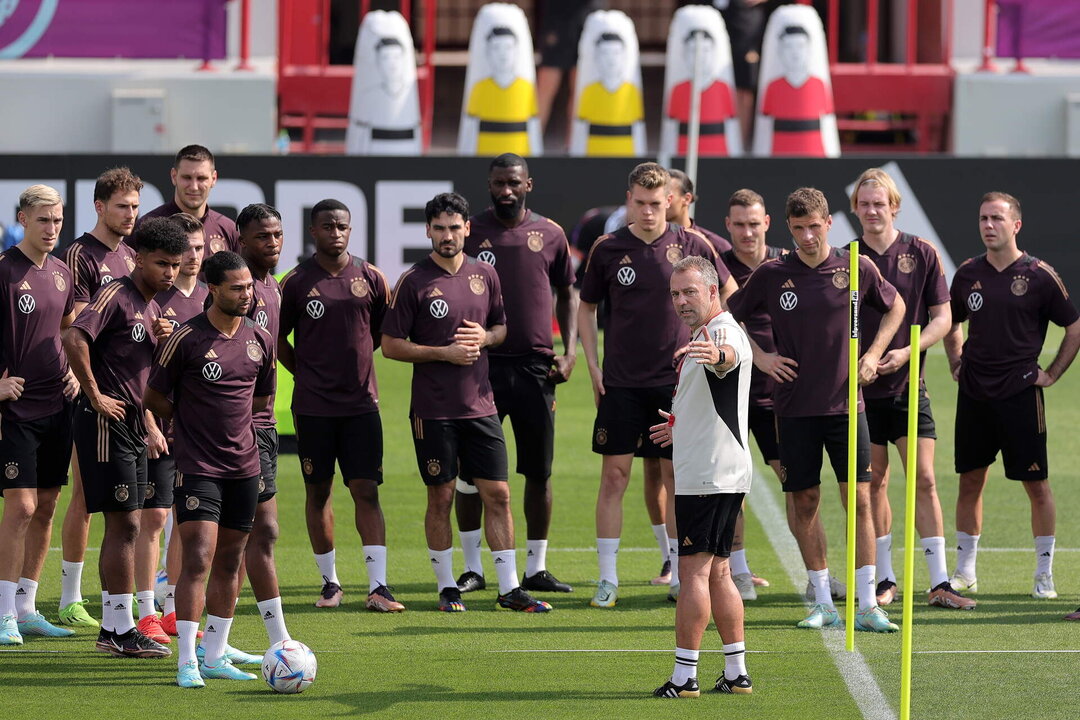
(876, 177)
(649, 175)
(38, 196)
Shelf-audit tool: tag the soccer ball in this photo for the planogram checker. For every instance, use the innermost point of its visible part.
(289, 667)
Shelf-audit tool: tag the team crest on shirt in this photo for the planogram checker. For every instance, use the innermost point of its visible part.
(788, 300)
(1019, 286)
(192, 503)
(211, 371)
(59, 281)
(27, 304)
(626, 276)
(315, 309)
(254, 351)
(601, 436)
(535, 240)
(138, 332)
(217, 243)
(975, 301)
(840, 279)
(906, 263)
(130, 264)
(674, 253)
(11, 470)
(476, 284)
(439, 308)
(359, 287)
(486, 256)
(121, 493)
(433, 467)
(308, 466)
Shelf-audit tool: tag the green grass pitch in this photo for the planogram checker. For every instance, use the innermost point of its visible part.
(582, 662)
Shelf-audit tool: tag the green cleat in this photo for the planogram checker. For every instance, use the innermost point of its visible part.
(36, 624)
(75, 614)
(9, 631)
(236, 657)
(225, 671)
(606, 595)
(188, 675)
(874, 619)
(821, 617)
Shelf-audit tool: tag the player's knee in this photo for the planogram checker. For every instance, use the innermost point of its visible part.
(263, 536)
(925, 482)
(365, 491)
(45, 507)
(537, 481)
(879, 480)
(318, 494)
(805, 502)
(19, 511)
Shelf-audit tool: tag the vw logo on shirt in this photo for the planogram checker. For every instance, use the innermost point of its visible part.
(262, 319)
(486, 256)
(105, 280)
(626, 276)
(789, 300)
(439, 308)
(138, 332)
(27, 304)
(211, 371)
(314, 308)
(974, 301)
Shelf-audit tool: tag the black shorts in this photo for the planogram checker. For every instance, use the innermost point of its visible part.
(229, 502)
(1014, 425)
(36, 453)
(473, 448)
(887, 418)
(112, 461)
(763, 427)
(161, 477)
(801, 441)
(560, 31)
(355, 442)
(707, 522)
(524, 391)
(267, 440)
(746, 28)
(624, 418)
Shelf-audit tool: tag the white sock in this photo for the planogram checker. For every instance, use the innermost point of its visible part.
(145, 601)
(168, 538)
(106, 611)
(26, 598)
(734, 660)
(327, 567)
(607, 551)
(375, 561)
(865, 587)
(506, 569)
(884, 559)
(685, 665)
(70, 583)
(170, 599)
(215, 638)
(274, 620)
(470, 548)
(187, 632)
(442, 563)
(673, 556)
(820, 581)
(660, 531)
(738, 563)
(121, 612)
(1044, 555)
(967, 547)
(7, 597)
(934, 552)
(535, 557)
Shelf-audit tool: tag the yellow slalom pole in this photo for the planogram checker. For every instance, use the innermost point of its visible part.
(909, 526)
(853, 409)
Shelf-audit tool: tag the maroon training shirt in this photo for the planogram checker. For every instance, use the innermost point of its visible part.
(530, 259)
(428, 306)
(344, 312)
(1007, 313)
(220, 232)
(810, 310)
(33, 302)
(178, 308)
(266, 311)
(93, 264)
(643, 331)
(721, 244)
(213, 380)
(758, 327)
(119, 323)
(913, 267)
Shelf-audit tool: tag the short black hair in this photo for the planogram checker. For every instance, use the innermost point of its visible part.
(685, 183)
(509, 160)
(161, 233)
(794, 30)
(450, 203)
(254, 213)
(195, 153)
(328, 205)
(220, 263)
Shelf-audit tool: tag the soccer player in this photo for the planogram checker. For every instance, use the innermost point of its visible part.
(193, 175)
(707, 429)
(183, 301)
(681, 188)
(806, 295)
(36, 388)
(95, 259)
(110, 347)
(913, 267)
(209, 378)
(630, 269)
(445, 312)
(335, 299)
(1007, 297)
(260, 246)
(531, 256)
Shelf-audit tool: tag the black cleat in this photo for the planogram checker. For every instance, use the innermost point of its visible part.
(450, 600)
(671, 690)
(134, 644)
(471, 581)
(106, 641)
(544, 581)
(739, 686)
(518, 599)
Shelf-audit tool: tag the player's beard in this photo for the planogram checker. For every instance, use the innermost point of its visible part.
(508, 211)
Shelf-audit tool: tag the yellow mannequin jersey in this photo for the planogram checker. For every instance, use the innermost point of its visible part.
(615, 113)
(493, 105)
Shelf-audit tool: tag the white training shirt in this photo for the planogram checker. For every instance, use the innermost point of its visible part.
(711, 443)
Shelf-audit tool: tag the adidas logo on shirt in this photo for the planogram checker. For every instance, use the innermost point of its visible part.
(138, 316)
(788, 284)
(104, 268)
(24, 286)
(485, 244)
(977, 285)
(211, 355)
(314, 293)
(436, 293)
(170, 313)
(262, 303)
(625, 260)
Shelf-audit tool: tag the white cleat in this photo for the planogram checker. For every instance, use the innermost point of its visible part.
(1044, 587)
